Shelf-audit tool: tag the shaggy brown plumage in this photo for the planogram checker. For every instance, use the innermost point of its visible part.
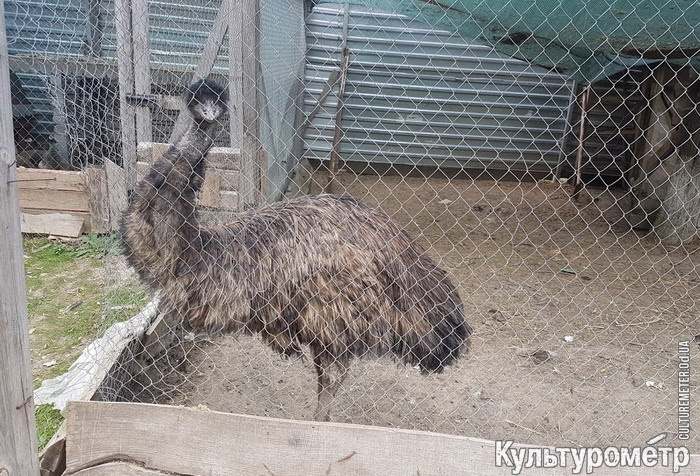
(325, 271)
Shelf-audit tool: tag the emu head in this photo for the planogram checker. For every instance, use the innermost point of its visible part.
(206, 100)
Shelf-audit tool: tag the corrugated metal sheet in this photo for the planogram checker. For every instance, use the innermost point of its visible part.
(50, 27)
(417, 96)
(177, 32)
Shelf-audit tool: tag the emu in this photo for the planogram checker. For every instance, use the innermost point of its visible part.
(323, 272)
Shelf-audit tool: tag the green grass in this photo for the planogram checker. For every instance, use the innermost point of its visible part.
(48, 419)
(70, 305)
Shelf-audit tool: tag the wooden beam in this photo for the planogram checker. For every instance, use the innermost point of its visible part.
(235, 76)
(217, 444)
(41, 179)
(18, 443)
(250, 191)
(58, 224)
(116, 192)
(60, 200)
(98, 199)
(578, 181)
(57, 94)
(338, 130)
(127, 112)
(101, 68)
(141, 55)
(206, 60)
(327, 88)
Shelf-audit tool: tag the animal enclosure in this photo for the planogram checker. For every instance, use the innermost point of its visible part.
(516, 255)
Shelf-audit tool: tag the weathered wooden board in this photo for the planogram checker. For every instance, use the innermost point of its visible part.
(117, 192)
(98, 199)
(142, 67)
(64, 203)
(54, 199)
(190, 441)
(58, 224)
(18, 453)
(41, 179)
(221, 180)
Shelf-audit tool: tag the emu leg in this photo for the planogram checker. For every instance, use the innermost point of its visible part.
(328, 384)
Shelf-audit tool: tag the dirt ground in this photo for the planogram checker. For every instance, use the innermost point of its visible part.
(577, 323)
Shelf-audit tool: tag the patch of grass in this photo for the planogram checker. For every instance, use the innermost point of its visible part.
(97, 246)
(48, 419)
(70, 305)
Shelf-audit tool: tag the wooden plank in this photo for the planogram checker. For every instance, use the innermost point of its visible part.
(40, 179)
(52, 459)
(59, 200)
(18, 443)
(141, 55)
(116, 192)
(127, 112)
(327, 88)
(206, 61)
(249, 43)
(218, 157)
(58, 224)
(338, 129)
(99, 432)
(174, 74)
(229, 179)
(98, 199)
(211, 196)
(57, 94)
(235, 79)
(120, 468)
(578, 169)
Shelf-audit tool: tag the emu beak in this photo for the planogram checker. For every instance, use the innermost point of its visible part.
(210, 112)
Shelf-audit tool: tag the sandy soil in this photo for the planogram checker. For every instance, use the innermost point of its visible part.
(604, 332)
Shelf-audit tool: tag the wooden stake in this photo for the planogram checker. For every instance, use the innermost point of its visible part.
(127, 112)
(18, 444)
(578, 183)
(142, 67)
(338, 133)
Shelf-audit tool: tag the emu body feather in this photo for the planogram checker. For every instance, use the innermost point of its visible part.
(325, 271)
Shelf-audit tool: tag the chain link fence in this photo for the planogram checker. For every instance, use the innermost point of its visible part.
(545, 158)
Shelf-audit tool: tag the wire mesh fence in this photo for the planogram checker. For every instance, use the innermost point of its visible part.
(520, 256)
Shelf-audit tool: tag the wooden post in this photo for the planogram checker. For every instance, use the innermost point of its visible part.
(244, 61)
(127, 112)
(18, 444)
(338, 132)
(565, 135)
(578, 183)
(235, 76)
(141, 57)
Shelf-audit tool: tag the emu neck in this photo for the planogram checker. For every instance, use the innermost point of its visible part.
(161, 229)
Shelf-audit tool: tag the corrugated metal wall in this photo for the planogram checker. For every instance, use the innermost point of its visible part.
(51, 27)
(417, 96)
(177, 31)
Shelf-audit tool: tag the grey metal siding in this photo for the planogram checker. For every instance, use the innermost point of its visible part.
(44, 27)
(177, 32)
(417, 96)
